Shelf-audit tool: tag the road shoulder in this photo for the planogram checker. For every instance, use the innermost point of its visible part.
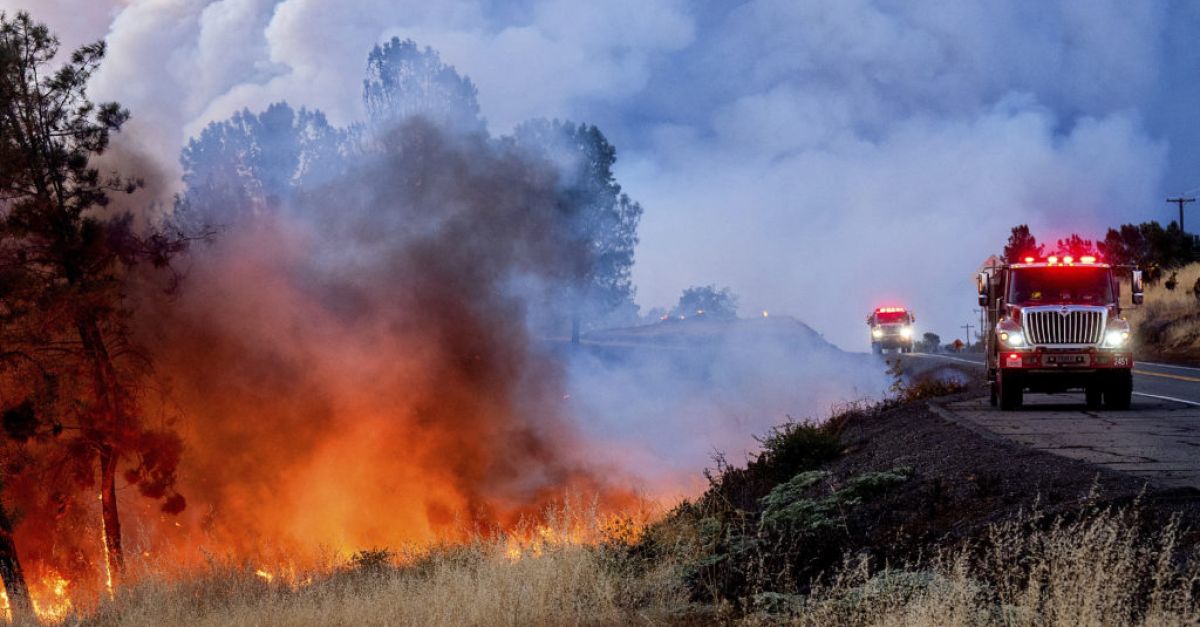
(1158, 443)
(966, 478)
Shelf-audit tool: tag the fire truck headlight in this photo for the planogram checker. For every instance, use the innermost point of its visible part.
(906, 332)
(1012, 338)
(1115, 338)
(877, 332)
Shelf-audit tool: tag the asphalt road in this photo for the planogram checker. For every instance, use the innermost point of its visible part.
(1158, 438)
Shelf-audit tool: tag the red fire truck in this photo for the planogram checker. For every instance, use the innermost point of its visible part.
(1055, 325)
(891, 328)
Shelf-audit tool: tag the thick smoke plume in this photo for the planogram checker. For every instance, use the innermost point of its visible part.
(355, 367)
(786, 148)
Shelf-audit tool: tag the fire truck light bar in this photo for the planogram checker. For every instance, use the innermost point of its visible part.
(1065, 261)
(890, 310)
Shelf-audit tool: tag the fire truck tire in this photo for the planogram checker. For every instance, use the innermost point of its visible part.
(1011, 394)
(995, 399)
(1119, 393)
(1092, 395)
(877, 349)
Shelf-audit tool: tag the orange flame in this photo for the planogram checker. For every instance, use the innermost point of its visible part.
(51, 597)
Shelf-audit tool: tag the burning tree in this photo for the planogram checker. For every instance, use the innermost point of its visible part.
(253, 163)
(66, 263)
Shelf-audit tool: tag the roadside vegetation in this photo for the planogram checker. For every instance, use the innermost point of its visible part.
(829, 524)
(1168, 325)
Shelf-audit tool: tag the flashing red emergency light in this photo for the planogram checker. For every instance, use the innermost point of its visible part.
(890, 310)
(1065, 261)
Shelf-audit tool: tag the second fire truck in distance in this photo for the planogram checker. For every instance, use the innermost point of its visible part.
(891, 328)
(1055, 325)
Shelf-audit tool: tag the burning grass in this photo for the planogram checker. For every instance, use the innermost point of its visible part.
(474, 584)
(791, 538)
(1106, 568)
(565, 566)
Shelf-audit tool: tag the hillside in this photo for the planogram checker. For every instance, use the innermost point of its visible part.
(1167, 326)
(786, 330)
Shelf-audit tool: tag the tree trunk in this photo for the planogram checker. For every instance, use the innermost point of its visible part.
(10, 571)
(112, 523)
(112, 412)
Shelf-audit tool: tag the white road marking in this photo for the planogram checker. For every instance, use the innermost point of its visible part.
(1168, 398)
(1156, 396)
(1150, 363)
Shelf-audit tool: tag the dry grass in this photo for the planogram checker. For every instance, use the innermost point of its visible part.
(569, 569)
(1101, 570)
(477, 585)
(1169, 322)
(1105, 569)
(578, 567)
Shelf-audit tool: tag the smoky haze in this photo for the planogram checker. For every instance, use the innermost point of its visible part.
(819, 158)
(354, 366)
(785, 148)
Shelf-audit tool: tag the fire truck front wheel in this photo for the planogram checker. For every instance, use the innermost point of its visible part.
(876, 348)
(1009, 390)
(1118, 394)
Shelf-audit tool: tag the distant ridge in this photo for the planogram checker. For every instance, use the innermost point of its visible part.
(693, 331)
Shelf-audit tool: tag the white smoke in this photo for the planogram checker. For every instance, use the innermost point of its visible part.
(819, 157)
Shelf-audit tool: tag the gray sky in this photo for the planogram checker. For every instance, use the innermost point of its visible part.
(818, 157)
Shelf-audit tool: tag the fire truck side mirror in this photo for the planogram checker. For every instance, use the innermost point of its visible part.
(1137, 288)
(983, 284)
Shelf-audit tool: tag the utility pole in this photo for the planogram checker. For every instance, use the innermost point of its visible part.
(1181, 201)
(967, 327)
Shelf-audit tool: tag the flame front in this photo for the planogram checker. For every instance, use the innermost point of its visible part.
(51, 596)
(344, 378)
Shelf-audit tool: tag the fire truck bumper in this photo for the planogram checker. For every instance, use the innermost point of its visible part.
(1045, 361)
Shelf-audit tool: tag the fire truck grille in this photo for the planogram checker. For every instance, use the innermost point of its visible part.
(1053, 327)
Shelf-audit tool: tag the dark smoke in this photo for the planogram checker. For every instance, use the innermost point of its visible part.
(356, 368)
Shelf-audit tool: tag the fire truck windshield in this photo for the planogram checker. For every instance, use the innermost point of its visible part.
(1061, 284)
